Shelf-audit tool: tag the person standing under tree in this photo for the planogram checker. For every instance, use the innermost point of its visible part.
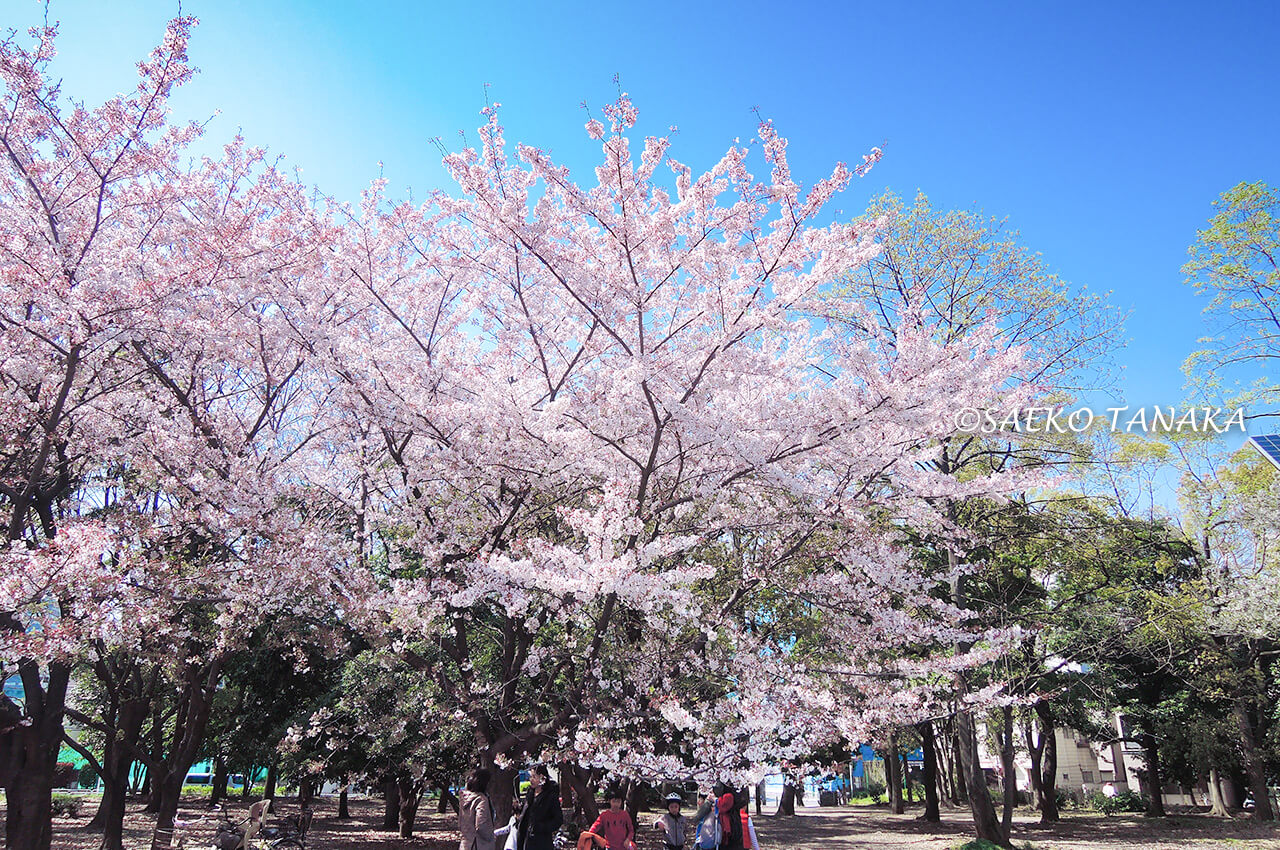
(730, 805)
(673, 825)
(542, 815)
(615, 825)
(475, 813)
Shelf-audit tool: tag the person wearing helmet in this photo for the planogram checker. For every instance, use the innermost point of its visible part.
(673, 825)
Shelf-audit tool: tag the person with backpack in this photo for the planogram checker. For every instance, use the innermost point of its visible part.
(706, 823)
(730, 806)
(475, 813)
(542, 815)
(673, 825)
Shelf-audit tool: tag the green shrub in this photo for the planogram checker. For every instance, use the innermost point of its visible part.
(875, 790)
(1124, 801)
(66, 805)
(88, 777)
(64, 775)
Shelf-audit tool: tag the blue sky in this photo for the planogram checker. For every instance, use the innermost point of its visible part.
(1102, 135)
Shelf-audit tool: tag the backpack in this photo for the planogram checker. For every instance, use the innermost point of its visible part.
(708, 835)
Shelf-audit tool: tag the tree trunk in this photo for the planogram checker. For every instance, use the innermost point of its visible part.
(31, 756)
(118, 760)
(344, 812)
(1010, 771)
(306, 790)
(157, 756)
(929, 744)
(984, 811)
(1217, 805)
(1049, 763)
(170, 796)
(906, 779)
(1255, 768)
(409, 798)
(190, 723)
(1155, 794)
(946, 771)
(502, 792)
(892, 771)
(1035, 750)
(566, 789)
(584, 802)
(219, 792)
(269, 785)
(634, 803)
(957, 767)
(246, 788)
(391, 813)
(448, 800)
(787, 805)
(137, 780)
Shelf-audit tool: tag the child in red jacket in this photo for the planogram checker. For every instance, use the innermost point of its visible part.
(615, 825)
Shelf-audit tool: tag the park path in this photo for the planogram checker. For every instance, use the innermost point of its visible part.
(856, 828)
(849, 828)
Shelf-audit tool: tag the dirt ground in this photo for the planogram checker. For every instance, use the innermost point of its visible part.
(856, 828)
(813, 829)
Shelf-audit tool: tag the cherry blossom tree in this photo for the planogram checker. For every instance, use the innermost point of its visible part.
(566, 404)
(627, 504)
(158, 410)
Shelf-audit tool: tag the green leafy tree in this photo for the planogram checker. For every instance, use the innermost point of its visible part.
(1235, 263)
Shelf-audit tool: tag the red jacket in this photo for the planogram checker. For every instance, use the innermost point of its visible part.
(615, 827)
(726, 803)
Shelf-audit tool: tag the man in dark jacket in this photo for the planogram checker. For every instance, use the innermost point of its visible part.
(542, 815)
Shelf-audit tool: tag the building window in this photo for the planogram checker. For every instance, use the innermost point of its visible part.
(1086, 775)
(1067, 777)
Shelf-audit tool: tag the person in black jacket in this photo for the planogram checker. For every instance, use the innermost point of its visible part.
(542, 815)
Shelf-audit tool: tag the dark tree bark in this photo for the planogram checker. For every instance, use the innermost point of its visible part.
(893, 775)
(1255, 768)
(190, 722)
(448, 800)
(157, 756)
(1009, 769)
(269, 786)
(1155, 794)
(584, 801)
(219, 792)
(929, 744)
(344, 812)
(502, 792)
(1049, 762)
(957, 766)
(787, 805)
(410, 795)
(391, 813)
(985, 822)
(29, 754)
(306, 791)
(907, 786)
(118, 758)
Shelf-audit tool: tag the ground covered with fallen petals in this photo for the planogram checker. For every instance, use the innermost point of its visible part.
(813, 829)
